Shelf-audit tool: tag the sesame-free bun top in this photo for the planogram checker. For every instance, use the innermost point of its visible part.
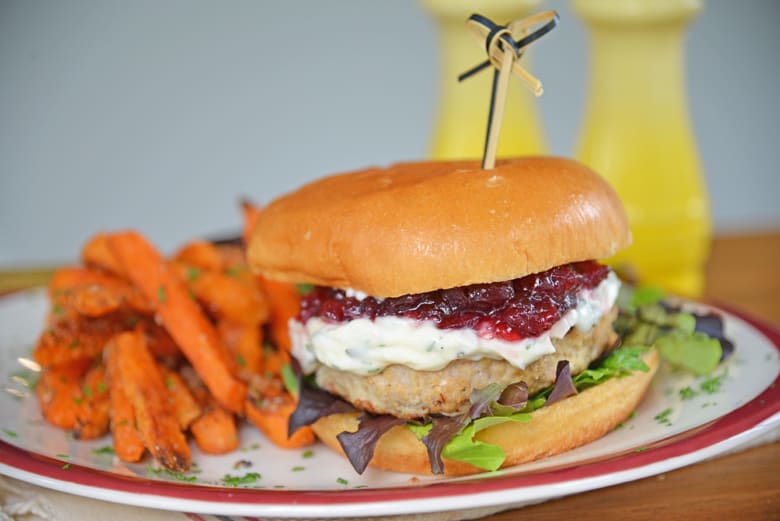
(416, 227)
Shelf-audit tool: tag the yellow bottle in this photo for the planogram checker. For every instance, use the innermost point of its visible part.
(638, 136)
(461, 122)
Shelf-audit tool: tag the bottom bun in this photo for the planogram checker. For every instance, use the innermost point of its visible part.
(562, 426)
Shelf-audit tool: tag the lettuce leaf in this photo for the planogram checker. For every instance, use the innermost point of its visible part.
(692, 341)
(564, 385)
(465, 447)
(697, 353)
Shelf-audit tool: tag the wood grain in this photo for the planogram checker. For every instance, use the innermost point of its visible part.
(741, 486)
(744, 272)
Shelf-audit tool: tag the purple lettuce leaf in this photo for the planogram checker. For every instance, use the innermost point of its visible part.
(443, 429)
(481, 399)
(564, 385)
(514, 395)
(359, 445)
(711, 325)
(313, 404)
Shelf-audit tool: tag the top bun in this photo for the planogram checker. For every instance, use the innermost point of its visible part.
(417, 227)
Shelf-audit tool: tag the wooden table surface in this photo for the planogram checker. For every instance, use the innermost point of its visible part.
(744, 271)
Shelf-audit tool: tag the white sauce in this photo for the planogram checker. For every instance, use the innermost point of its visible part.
(365, 346)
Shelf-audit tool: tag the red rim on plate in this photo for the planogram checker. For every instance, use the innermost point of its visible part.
(746, 417)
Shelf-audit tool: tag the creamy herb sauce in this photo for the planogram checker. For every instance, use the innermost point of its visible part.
(365, 346)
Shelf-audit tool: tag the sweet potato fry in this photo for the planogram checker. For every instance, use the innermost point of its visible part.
(73, 340)
(185, 406)
(215, 431)
(250, 214)
(196, 386)
(92, 415)
(159, 342)
(271, 416)
(128, 444)
(59, 392)
(224, 296)
(285, 303)
(97, 254)
(180, 316)
(275, 359)
(71, 276)
(92, 293)
(143, 383)
(245, 344)
(202, 255)
(233, 255)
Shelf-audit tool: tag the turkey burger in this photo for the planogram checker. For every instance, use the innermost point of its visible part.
(453, 313)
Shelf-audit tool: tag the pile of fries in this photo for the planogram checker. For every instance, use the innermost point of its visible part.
(150, 349)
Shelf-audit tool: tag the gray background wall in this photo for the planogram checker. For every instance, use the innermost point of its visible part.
(159, 115)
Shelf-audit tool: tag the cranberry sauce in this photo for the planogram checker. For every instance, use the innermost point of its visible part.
(510, 310)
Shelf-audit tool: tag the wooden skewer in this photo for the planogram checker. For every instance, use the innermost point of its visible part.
(499, 96)
(504, 50)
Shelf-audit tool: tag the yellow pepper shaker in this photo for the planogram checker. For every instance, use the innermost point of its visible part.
(461, 122)
(637, 135)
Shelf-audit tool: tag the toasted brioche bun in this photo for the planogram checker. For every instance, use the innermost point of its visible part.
(562, 426)
(416, 227)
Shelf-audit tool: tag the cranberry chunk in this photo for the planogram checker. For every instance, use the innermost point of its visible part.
(510, 310)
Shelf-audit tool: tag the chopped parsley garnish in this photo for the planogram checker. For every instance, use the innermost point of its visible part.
(298, 468)
(178, 476)
(63, 456)
(234, 481)
(240, 360)
(10, 433)
(192, 274)
(688, 393)
(712, 385)
(161, 294)
(169, 383)
(87, 391)
(304, 288)
(663, 417)
(342, 481)
(233, 271)
(66, 466)
(106, 449)
(101, 387)
(253, 446)
(308, 454)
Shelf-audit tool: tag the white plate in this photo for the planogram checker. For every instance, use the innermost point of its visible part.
(317, 482)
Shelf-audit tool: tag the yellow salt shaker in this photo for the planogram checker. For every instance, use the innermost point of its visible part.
(461, 122)
(637, 134)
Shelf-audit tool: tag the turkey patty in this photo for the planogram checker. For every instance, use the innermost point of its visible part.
(407, 393)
